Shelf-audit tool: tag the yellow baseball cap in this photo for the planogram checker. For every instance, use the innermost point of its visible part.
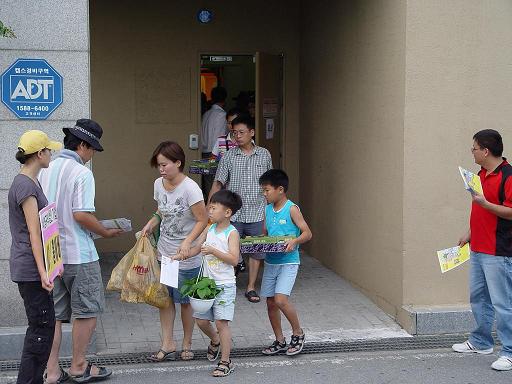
(34, 140)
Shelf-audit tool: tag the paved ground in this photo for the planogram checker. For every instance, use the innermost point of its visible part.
(404, 367)
(330, 310)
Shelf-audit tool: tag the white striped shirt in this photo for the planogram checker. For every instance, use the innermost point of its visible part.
(70, 184)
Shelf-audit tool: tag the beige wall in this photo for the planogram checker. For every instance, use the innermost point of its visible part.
(397, 89)
(352, 102)
(144, 74)
(458, 81)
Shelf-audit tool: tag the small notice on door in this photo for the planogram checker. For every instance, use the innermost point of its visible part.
(270, 107)
(269, 129)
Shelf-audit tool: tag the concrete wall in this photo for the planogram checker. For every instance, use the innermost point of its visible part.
(392, 93)
(352, 164)
(458, 80)
(145, 86)
(58, 32)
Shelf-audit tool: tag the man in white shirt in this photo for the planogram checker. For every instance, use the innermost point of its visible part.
(213, 126)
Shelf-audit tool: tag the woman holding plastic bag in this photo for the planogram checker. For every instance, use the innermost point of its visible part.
(181, 217)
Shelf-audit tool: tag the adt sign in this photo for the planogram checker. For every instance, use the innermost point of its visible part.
(31, 89)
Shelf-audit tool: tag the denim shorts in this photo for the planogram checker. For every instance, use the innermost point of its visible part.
(223, 306)
(183, 274)
(278, 278)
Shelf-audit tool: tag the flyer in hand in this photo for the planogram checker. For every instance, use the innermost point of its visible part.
(120, 223)
(471, 181)
(453, 257)
(51, 246)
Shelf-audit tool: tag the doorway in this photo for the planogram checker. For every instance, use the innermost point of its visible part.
(254, 83)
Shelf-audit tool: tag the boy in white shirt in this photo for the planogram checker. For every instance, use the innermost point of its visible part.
(221, 247)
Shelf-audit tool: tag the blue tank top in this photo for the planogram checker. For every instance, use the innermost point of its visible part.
(280, 223)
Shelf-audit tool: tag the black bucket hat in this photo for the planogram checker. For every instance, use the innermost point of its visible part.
(88, 131)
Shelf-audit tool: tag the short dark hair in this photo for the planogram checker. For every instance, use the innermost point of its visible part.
(276, 178)
(71, 142)
(490, 139)
(219, 94)
(171, 150)
(244, 119)
(234, 112)
(227, 198)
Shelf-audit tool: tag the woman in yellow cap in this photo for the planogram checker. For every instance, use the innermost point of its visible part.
(26, 199)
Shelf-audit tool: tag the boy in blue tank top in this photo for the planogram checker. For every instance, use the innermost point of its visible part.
(282, 218)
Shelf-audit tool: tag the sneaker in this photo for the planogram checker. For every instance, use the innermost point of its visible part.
(467, 347)
(504, 363)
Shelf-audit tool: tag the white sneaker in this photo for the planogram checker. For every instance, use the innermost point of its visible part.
(467, 347)
(504, 363)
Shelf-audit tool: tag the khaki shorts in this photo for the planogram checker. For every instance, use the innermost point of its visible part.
(79, 292)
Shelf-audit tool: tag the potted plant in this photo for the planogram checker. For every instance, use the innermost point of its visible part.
(201, 290)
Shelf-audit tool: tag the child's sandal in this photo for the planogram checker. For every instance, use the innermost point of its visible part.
(296, 344)
(275, 348)
(223, 368)
(213, 351)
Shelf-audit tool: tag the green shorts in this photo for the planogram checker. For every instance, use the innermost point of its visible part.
(79, 292)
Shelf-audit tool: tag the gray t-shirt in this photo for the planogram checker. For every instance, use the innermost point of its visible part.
(22, 263)
(177, 217)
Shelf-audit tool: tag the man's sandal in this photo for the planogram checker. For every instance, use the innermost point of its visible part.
(296, 344)
(213, 351)
(275, 348)
(171, 355)
(87, 376)
(223, 368)
(64, 376)
(186, 355)
(252, 296)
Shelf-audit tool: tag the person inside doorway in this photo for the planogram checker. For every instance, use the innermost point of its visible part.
(239, 171)
(225, 142)
(213, 126)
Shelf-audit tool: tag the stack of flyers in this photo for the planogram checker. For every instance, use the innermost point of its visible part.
(121, 223)
(471, 181)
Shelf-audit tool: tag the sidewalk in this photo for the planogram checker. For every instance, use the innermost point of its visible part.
(347, 315)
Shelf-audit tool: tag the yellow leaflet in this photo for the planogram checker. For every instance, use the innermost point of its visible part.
(450, 258)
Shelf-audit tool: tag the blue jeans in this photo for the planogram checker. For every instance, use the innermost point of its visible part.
(490, 294)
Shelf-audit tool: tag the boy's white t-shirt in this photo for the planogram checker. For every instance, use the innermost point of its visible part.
(215, 268)
(177, 218)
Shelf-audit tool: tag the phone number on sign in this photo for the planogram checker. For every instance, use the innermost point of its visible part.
(34, 108)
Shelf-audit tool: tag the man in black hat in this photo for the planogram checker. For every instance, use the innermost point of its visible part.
(78, 294)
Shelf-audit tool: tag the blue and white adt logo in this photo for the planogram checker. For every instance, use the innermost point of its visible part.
(204, 16)
(31, 89)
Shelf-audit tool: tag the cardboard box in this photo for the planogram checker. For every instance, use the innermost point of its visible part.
(264, 244)
(203, 167)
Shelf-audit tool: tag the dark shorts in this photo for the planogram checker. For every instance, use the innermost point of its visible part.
(250, 229)
(79, 292)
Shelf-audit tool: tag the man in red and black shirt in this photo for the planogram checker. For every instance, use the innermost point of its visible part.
(490, 237)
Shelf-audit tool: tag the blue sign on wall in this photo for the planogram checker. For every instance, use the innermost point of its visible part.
(31, 89)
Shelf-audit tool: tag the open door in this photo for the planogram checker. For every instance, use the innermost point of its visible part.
(269, 104)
